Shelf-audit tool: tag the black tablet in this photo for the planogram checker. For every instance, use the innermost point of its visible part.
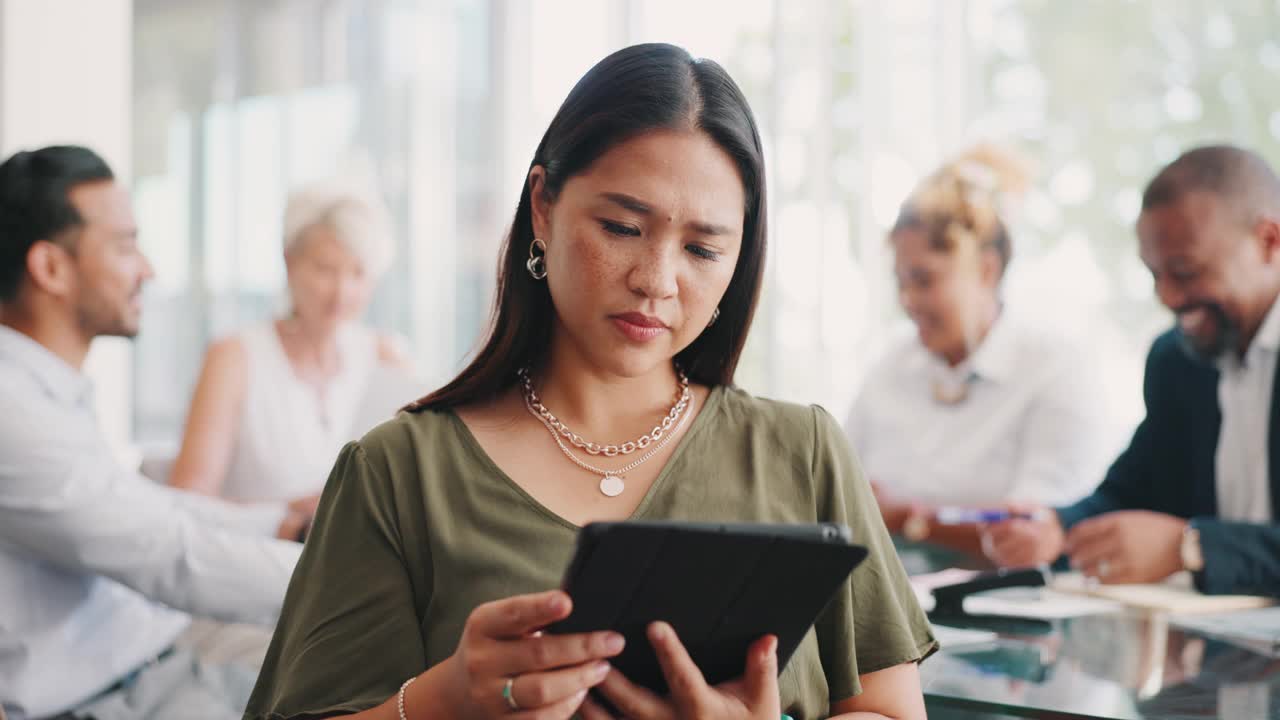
(721, 586)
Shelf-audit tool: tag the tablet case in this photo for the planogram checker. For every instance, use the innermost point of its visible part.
(721, 586)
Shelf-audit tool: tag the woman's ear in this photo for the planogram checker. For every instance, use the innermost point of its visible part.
(991, 267)
(539, 203)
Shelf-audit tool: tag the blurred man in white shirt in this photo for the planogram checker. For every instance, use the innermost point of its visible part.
(100, 568)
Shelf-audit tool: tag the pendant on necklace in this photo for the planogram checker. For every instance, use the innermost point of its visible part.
(612, 485)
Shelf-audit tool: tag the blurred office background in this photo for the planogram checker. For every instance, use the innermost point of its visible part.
(215, 108)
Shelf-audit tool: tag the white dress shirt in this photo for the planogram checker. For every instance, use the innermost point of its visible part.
(98, 565)
(1241, 463)
(1031, 426)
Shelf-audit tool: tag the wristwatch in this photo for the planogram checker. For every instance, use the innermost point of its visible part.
(1189, 550)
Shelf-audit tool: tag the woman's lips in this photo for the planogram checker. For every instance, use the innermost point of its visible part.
(638, 327)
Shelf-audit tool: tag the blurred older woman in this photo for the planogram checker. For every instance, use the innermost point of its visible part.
(978, 406)
(275, 403)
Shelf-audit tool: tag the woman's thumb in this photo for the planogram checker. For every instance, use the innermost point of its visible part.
(761, 676)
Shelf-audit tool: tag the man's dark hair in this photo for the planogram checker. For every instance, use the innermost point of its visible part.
(1239, 177)
(35, 203)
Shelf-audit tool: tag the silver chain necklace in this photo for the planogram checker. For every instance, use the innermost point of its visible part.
(611, 450)
(612, 482)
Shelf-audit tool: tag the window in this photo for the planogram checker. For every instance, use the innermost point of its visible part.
(442, 103)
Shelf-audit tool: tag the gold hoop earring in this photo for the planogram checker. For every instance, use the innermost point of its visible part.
(715, 315)
(537, 264)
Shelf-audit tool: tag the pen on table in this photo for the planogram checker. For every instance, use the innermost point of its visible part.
(963, 516)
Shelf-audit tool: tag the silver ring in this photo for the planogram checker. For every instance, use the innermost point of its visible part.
(509, 696)
(1104, 567)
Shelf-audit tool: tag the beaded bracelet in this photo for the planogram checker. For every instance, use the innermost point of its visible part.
(400, 697)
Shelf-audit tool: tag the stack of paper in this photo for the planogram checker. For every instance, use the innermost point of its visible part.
(1174, 596)
(950, 637)
(1038, 604)
(1257, 630)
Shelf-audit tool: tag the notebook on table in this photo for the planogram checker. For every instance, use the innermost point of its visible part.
(1176, 596)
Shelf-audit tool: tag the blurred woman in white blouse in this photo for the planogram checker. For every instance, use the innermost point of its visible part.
(978, 406)
(276, 402)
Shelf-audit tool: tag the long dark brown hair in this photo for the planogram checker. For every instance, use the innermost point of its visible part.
(634, 90)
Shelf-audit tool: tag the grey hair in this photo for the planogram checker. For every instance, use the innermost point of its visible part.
(356, 216)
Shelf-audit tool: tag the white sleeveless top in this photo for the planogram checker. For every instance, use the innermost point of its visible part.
(289, 434)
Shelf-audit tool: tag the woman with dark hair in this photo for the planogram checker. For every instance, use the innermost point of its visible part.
(625, 292)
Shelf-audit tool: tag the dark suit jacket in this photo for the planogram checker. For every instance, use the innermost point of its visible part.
(1169, 468)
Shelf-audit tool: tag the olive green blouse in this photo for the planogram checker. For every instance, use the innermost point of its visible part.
(417, 526)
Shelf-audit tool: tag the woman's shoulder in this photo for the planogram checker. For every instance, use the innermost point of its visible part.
(246, 338)
(244, 344)
(226, 360)
(409, 430)
(392, 350)
(786, 439)
(788, 420)
(228, 348)
(259, 331)
(421, 444)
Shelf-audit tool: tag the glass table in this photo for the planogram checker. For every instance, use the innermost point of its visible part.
(1124, 666)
